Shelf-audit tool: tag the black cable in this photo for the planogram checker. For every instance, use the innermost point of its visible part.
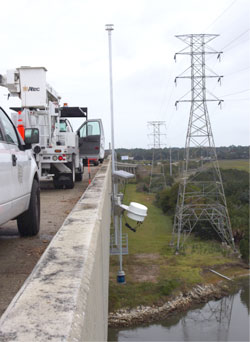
(128, 225)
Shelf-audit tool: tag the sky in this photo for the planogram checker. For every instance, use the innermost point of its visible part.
(68, 37)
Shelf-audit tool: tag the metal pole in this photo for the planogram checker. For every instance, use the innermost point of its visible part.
(121, 273)
(170, 163)
(120, 244)
(116, 220)
(110, 28)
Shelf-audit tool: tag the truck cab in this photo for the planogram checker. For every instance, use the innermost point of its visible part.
(91, 141)
(66, 135)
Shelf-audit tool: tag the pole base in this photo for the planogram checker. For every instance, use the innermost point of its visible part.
(121, 277)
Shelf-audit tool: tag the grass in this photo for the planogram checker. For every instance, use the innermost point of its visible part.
(153, 271)
(150, 237)
(239, 164)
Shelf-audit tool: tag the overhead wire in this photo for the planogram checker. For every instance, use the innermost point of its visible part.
(238, 92)
(173, 110)
(219, 16)
(237, 71)
(171, 90)
(239, 100)
(166, 88)
(232, 41)
(225, 47)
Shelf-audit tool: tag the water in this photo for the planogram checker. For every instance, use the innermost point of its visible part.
(226, 319)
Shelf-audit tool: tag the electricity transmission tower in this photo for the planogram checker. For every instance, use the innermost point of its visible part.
(157, 175)
(201, 200)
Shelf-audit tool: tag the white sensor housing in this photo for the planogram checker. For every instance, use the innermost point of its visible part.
(135, 211)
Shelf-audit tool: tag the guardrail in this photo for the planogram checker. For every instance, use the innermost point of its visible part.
(66, 296)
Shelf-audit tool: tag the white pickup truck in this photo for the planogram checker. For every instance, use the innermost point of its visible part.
(19, 180)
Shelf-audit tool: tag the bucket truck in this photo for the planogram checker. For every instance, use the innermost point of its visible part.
(57, 153)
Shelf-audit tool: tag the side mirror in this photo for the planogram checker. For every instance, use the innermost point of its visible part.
(31, 135)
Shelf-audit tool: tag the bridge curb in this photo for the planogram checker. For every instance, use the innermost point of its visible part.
(66, 296)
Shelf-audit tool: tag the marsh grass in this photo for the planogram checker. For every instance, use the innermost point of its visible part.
(239, 164)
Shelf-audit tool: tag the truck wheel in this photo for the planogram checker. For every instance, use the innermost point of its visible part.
(57, 183)
(79, 173)
(101, 160)
(78, 176)
(70, 183)
(29, 222)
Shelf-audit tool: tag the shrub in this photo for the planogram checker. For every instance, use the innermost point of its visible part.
(166, 286)
(166, 199)
(244, 248)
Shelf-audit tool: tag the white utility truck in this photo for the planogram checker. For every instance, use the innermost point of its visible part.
(57, 153)
(19, 181)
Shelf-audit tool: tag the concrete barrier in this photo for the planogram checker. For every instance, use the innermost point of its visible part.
(66, 296)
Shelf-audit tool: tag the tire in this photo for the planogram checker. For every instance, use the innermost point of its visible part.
(79, 173)
(70, 183)
(78, 177)
(56, 180)
(101, 160)
(29, 222)
(57, 183)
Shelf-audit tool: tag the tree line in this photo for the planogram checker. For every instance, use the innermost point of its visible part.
(223, 152)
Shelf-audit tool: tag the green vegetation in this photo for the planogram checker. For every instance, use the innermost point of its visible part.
(150, 237)
(236, 187)
(223, 153)
(239, 164)
(153, 271)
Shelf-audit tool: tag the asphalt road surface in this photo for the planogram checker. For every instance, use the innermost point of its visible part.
(18, 256)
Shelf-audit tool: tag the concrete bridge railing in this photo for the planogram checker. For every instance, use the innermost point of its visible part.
(66, 296)
(132, 168)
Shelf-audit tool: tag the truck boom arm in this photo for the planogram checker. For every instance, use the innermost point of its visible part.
(29, 84)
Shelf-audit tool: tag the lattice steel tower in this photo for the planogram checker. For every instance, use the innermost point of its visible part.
(157, 177)
(201, 199)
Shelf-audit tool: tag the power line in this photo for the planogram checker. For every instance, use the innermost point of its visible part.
(238, 92)
(232, 3)
(161, 109)
(239, 100)
(237, 71)
(232, 41)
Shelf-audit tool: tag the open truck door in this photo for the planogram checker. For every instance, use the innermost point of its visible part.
(91, 141)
